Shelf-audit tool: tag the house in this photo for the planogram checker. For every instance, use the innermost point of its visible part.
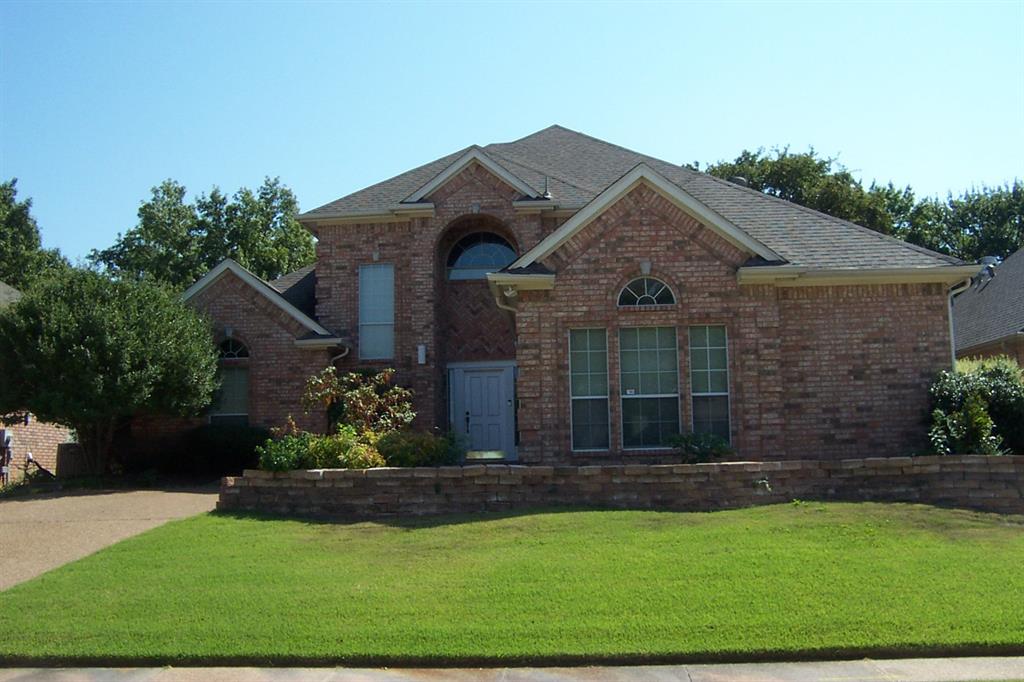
(989, 316)
(21, 434)
(560, 299)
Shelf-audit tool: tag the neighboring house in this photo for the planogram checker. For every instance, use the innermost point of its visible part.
(562, 300)
(989, 316)
(21, 433)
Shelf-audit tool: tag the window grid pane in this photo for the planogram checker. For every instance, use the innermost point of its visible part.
(377, 311)
(588, 388)
(649, 373)
(709, 380)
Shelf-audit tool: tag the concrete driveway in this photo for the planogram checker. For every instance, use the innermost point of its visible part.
(38, 534)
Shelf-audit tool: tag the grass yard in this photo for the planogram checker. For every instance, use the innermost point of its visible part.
(787, 581)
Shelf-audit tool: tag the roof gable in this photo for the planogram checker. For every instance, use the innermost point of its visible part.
(474, 156)
(644, 174)
(266, 290)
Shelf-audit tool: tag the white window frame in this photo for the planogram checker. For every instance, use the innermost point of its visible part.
(363, 355)
(642, 306)
(623, 397)
(709, 394)
(607, 389)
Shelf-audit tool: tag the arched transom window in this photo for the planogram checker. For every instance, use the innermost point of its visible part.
(477, 254)
(646, 291)
(231, 349)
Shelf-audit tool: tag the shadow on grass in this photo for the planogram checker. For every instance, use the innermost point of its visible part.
(564, 660)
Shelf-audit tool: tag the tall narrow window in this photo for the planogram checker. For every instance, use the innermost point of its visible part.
(231, 401)
(649, 371)
(377, 312)
(709, 380)
(588, 388)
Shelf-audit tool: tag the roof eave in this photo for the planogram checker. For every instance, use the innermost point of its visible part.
(799, 276)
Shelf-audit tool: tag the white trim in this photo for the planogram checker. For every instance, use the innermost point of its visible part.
(269, 292)
(644, 174)
(474, 155)
(524, 282)
(482, 364)
(795, 275)
(329, 342)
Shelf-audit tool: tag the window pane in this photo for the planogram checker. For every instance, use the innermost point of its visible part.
(649, 422)
(698, 358)
(377, 342)
(699, 382)
(717, 358)
(711, 415)
(649, 383)
(630, 361)
(599, 362)
(716, 336)
(698, 337)
(667, 337)
(580, 385)
(580, 361)
(590, 424)
(667, 382)
(719, 382)
(647, 337)
(579, 339)
(598, 339)
(628, 339)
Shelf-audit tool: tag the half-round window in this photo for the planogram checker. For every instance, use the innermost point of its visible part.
(477, 254)
(646, 291)
(230, 349)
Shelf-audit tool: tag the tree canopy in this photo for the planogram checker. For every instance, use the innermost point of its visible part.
(979, 222)
(23, 259)
(176, 242)
(82, 350)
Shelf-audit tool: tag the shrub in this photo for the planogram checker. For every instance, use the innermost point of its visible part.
(979, 408)
(221, 450)
(417, 449)
(696, 448)
(369, 402)
(344, 449)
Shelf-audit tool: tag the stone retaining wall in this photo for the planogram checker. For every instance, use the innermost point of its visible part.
(971, 481)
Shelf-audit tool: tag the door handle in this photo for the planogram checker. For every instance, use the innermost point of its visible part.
(467, 421)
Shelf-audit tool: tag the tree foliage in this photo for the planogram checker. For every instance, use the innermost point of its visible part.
(177, 242)
(82, 350)
(979, 222)
(369, 402)
(23, 260)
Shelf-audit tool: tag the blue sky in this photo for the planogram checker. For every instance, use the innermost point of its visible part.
(99, 102)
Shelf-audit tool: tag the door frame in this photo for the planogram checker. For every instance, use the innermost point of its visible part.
(485, 364)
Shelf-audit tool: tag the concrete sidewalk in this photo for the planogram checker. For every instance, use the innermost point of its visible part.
(38, 534)
(867, 670)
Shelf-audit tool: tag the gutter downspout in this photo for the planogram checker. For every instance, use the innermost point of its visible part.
(499, 299)
(962, 286)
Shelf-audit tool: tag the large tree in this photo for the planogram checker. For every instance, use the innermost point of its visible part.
(177, 242)
(82, 350)
(980, 222)
(22, 256)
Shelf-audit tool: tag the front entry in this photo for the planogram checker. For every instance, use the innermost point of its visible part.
(483, 408)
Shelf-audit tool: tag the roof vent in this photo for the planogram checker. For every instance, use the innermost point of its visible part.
(739, 180)
(547, 192)
(987, 273)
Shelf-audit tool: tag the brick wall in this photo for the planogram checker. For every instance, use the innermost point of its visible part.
(456, 321)
(42, 439)
(814, 371)
(971, 481)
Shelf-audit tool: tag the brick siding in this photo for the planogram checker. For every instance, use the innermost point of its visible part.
(42, 439)
(972, 481)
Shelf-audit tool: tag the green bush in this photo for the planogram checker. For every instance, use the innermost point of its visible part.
(344, 449)
(979, 408)
(418, 449)
(697, 448)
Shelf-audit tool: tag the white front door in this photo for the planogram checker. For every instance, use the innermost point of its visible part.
(483, 409)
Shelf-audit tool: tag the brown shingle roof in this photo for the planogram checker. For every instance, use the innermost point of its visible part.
(994, 309)
(578, 167)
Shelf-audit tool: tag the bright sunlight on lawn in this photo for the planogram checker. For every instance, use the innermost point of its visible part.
(791, 580)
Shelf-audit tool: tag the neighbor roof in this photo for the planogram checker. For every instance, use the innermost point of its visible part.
(576, 168)
(8, 294)
(991, 309)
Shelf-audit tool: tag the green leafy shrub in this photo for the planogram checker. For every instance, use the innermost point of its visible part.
(417, 449)
(369, 402)
(344, 449)
(979, 408)
(697, 448)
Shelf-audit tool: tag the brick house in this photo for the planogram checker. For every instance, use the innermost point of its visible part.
(559, 299)
(989, 316)
(23, 435)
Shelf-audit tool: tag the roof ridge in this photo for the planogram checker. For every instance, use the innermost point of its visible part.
(841, 221)
(538, 170)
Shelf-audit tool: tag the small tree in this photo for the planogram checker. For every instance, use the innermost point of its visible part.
(369, 402)
(83, 351)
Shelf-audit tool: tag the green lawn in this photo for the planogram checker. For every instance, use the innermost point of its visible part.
(797, 580)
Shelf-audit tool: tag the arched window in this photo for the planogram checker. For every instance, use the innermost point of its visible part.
(477, 254)
(231, 401)
(646, 291)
